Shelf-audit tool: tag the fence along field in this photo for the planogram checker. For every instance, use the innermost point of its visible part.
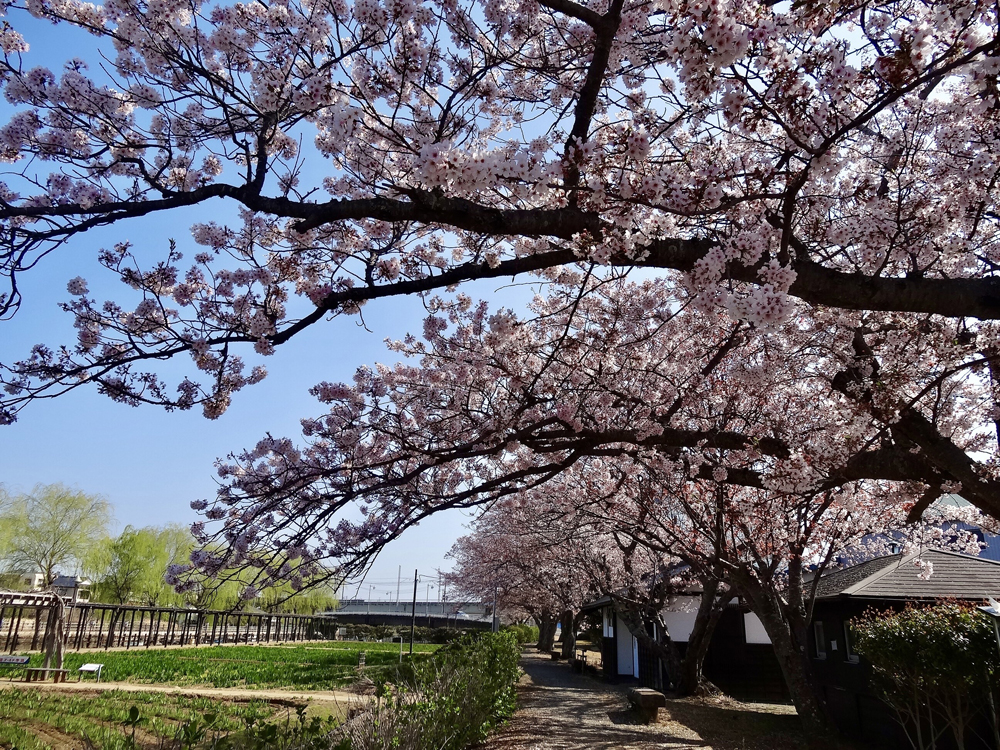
(23, 618)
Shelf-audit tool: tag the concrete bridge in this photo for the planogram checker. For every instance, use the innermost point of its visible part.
(434, 614)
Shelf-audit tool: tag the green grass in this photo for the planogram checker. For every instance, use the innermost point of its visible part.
(34, 720)
(309, 667)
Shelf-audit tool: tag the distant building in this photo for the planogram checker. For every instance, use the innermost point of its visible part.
(72, 588)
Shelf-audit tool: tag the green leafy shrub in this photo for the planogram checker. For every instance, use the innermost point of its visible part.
(452, 701)
(936, 666)
(523, 632)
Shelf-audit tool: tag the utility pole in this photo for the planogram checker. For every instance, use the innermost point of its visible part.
(413, 612)
(496, 620)
(399, 582)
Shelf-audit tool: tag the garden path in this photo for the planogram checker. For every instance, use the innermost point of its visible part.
(561, 710)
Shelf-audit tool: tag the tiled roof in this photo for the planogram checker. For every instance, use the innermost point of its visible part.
(832, 584)
(954, 576)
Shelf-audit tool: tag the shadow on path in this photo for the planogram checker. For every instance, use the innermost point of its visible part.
(561, 710)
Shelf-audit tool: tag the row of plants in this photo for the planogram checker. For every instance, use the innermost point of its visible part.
(523, 632)
(447, 700)
(302, 667)
(33, 720)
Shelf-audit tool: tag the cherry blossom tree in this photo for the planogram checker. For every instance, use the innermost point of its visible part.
(772, 547)
(619, 378)
(768, 159)
(498, 405)
(559, 540)
(532, 569)
(813, 184)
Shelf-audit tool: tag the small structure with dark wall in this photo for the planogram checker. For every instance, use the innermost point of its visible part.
(885, 583)
(740, 658)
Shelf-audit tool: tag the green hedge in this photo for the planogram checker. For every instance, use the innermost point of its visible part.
(450, 702)
(523, 633)
(936, 666)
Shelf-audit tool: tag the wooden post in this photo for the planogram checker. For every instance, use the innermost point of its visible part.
(81, 618)
(55, 634)
(17, 630)
(121, 627)
(11, 630)
(131, 629)
(100, 628)
(112, 622)
(34, 634)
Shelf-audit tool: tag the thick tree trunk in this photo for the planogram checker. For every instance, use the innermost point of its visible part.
(787, 630)
(664, 647)
(568, 638)
(546, 631)
(690, 680)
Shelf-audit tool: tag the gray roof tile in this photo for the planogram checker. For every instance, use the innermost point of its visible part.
(954, 576)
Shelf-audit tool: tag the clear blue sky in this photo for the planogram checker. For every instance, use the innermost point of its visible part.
(149, 463)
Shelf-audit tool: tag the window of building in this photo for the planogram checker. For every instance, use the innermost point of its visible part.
(849, 654)
(820, 640)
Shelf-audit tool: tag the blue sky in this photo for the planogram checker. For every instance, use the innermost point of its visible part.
(149, 463)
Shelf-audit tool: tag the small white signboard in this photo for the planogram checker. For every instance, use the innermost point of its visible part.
(14, 659)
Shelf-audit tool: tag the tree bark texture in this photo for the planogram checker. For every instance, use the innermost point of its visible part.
(568, 636)
(546, 631)
(691, 680)
(787, 627)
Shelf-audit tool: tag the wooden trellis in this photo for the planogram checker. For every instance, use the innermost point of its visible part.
(89, 625)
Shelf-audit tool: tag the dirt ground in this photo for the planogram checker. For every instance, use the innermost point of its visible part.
(562, 710)
(290, 696)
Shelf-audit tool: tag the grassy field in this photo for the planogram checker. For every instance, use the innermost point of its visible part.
(323, 666)
(33, 720)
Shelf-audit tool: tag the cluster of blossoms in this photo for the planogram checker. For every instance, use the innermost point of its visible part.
(499, 405)
(817, 184)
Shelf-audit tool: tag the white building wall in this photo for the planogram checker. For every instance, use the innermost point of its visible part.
(625, 648)
(754, 629)
(679, 625)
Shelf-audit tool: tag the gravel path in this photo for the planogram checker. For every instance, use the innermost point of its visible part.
(561, 710)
